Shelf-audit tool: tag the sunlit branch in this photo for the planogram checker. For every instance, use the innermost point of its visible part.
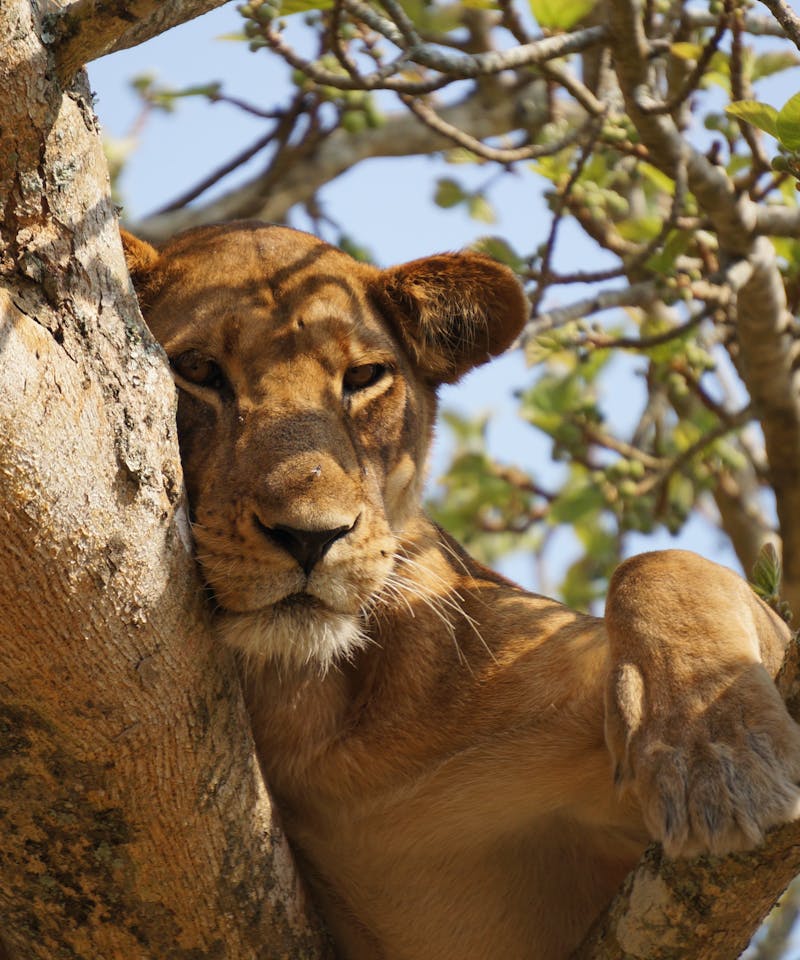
(430, 118)
(449, 65)
(777, 221)
(221, 172)
(691, 82)
(643, 294)
(740, 90)
(754, 24)
(638, 344)
(786, 17)
(84, 30)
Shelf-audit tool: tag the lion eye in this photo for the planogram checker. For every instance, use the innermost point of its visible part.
(198, 369)
(362, 376)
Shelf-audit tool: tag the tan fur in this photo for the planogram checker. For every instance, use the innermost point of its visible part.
(466, 771)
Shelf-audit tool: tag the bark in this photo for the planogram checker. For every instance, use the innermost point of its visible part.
(87, 29)
(134, 819)
(704, 909)
(768, 364)
(786, 18)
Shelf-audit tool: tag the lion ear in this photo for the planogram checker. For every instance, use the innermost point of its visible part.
(453, 311)
(141, 258)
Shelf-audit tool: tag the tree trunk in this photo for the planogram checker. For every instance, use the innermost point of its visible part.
(134, 819)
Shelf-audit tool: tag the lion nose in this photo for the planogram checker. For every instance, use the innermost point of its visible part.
(307, 547)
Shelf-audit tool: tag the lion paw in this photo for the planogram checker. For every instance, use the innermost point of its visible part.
(715, 777)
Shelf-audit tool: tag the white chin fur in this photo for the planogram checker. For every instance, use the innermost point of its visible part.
(292, 636)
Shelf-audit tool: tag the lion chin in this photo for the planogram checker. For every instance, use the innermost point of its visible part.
(295, 632)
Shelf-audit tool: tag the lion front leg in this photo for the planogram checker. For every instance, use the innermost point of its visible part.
(694, 722)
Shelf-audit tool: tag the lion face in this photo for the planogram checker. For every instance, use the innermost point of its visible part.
(306, 397)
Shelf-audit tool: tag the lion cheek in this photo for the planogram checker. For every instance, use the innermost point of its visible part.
(402, 491)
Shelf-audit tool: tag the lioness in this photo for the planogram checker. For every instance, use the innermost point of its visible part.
(466, 770)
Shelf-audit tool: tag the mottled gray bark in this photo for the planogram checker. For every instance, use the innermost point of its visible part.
(133, 819)
(84, 30)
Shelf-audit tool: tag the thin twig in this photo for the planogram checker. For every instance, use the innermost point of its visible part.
(693, 79)
(558, 213)
(754, 24)
(216, 175)
(281, 131)
(245, 106)
(337, 46)
(404, 23)
(449, 65)
(643, 294)
(430, 118)
(513, 22)
(639, 344)
(751, 135)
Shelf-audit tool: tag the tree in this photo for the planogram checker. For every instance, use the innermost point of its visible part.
(699, 249)
(135, 822)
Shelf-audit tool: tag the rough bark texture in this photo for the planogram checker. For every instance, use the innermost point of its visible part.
(706, 909)
(87, 29)
(134, 820)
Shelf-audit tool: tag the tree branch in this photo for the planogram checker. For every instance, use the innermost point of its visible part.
(88, 29)
(639, 295)
(768, 362)
(777, 221)
(448, 65)
(786, 17)
(709, 908)
(736, 497)
(705, 909)
(484, 113)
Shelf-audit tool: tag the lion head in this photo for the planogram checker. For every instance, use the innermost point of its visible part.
(306, 398)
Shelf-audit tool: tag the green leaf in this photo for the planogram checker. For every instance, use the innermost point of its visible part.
(760, 115)
(767, 573)
(448, 193)
(498, 248)
(788, 123)
(480, 209)
(686, 51)
(573, 505)
(356, 250)
(560, 14)
(676, 244)
(774, 62)
(641, 229)
(658, 179)
(303, 6)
